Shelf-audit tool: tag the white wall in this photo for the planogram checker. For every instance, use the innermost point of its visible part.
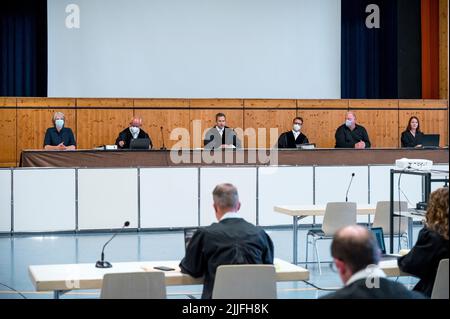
(107, 198)
(196, 48)
(169, 197)
(245, 181)
(44, 200)
(5, 200)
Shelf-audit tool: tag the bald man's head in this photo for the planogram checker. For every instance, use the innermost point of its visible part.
(136, 121)
(356, 247)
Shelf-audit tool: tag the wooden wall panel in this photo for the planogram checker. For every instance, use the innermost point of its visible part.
(235, 119)
(373, 104)
(266, 119)
(216, 103)
(42, 102)
(33, 123)
(270, 104)
(381, 125)
(161, 103)
(423, 104)
(102, 102)
(321, 104)
(169, 120)
(431, 122)
(8, 132)
(98, 127)
(320, 125)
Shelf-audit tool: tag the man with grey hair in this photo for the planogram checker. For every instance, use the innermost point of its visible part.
(230, 241)
(59, 137)
(351, 135)
(356, 255)
(132, 132)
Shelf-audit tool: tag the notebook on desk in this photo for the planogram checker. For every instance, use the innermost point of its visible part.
(430, 140)
(379, 236)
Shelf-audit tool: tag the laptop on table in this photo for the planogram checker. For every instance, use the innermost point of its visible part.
(140, 144)
(379, 236)
(430, 140)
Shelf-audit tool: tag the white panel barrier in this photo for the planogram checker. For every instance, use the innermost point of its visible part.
(283, 186)
(107, 198)
(44, 200)
(5, 200)
(169, 197)
(245, 181)
(332, 183)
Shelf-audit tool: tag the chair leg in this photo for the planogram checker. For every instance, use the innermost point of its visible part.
(317, 256)
(306, 257)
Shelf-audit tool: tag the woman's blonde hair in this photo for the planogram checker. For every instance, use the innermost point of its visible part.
(437, 212)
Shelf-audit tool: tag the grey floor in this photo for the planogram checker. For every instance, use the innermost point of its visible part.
(18, 252)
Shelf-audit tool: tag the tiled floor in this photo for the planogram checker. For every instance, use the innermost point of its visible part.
(18, 252)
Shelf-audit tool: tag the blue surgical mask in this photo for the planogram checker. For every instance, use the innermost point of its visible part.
(59, 124)
(348, 123)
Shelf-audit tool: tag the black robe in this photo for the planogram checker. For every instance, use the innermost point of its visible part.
(231, 241)
(423, 259)
(286, 140)
(126, 136)
(408, 140)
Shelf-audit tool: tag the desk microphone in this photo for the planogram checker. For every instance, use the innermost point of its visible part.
(105, 264)
(163, 148)
(350, 184)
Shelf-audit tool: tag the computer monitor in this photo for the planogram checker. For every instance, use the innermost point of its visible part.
(430, 140)
(140, 144)
(379, 236)
(188, 233)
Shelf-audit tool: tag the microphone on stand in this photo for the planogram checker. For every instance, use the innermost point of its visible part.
(105, 264)
(350, 184)
(163, 148)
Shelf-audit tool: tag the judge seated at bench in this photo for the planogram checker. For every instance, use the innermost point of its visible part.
(134, 131)
(294, 137)
(59, 137)
(221, 136)
(351, 135)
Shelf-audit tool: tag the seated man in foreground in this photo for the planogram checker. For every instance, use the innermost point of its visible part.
(356, 255)
(230, 241)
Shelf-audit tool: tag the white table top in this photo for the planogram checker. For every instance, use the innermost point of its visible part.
(86, 276)
(390, 267)
(319, 210)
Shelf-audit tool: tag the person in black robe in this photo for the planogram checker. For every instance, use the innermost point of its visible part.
(230, 241)
(294, 137)
(412, 136)
(134, 131)
(432, 244)
(356, 255)
(352, 135)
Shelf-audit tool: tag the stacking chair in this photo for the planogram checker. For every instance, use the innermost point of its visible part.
(245, 282)
(337, 215)
(440, 287)
(382, 219)
(139, 285)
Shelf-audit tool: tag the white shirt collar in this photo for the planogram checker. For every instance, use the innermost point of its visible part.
(296, 134)
(373, 271)
(230, 215)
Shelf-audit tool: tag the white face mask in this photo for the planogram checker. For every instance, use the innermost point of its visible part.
(348, 123)
(296, 127)
(59, 124)
(134, 130)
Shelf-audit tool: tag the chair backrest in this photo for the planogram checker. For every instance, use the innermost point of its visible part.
(440, 288)
(338, 215)
(382, 214)
(245, 282)
(139, 285)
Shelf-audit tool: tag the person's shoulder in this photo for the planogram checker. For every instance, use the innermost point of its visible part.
(360, 126)
(50, 129)
(68, 130)
(341, 127)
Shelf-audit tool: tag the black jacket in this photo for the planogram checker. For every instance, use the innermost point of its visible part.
(286, 140)
(213, 140)
(126, 136)
(346, 138)
(231, 241)
(408, 140)
(388, 289)
(423, 259)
